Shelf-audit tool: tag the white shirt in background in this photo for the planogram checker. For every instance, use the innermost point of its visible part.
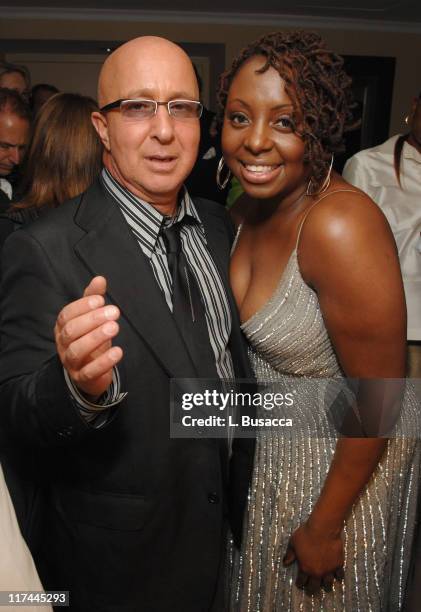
(372, 170)
(17, 569)
(6, 187)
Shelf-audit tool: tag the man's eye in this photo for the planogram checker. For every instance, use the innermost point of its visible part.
(238, 119)
(140, 106)
(184, 109)
(4, 146)
(285, 123)
(135, 108)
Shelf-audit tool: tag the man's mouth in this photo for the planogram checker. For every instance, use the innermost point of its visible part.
(161, 163)
(161, 158)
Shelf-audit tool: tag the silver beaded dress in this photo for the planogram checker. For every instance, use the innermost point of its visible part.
(288, 337)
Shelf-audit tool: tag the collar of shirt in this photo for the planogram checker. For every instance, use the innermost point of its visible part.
(410, 152)
(6, 187)
(145, 215)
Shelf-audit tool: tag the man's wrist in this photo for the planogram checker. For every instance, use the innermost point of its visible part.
(91, 405)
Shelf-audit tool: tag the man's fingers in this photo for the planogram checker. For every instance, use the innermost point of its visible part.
(91, 375)
(97, 286)
(83, 332)
(79, 307)
(76, 353)
(92, 299)
(79, 326)
(96, 376)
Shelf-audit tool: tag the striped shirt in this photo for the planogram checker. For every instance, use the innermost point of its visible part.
(146, 223)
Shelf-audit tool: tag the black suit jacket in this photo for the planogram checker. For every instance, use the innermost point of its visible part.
(135, 519)
(4, 201)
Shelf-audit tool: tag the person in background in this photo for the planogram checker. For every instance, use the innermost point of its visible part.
(40, 94)
(391, 175)
(17, 569)
(64, 158)
(16, 77)
(15, 123)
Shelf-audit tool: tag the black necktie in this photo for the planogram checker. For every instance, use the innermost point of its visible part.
(188, 308)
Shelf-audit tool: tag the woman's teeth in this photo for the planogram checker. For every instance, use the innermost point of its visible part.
(259, 169)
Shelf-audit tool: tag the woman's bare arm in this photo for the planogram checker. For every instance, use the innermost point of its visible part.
(347, 253)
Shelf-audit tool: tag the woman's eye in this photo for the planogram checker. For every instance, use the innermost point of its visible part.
(238, 118)
(285, 123)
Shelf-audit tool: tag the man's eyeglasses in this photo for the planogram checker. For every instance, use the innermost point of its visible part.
(141, 108)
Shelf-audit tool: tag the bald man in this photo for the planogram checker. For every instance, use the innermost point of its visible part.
(92, 333)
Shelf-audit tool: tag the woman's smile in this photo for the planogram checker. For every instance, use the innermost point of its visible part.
(260, 173)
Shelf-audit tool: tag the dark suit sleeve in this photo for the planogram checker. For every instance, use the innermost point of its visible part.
(7, 227)
(34, 399)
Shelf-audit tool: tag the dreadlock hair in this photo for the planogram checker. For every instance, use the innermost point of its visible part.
(315, 81)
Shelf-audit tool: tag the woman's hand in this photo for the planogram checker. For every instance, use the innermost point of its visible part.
(319, 554)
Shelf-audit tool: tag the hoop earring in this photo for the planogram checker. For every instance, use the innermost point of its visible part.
(407, 120)
(325, 184)
(224, 183)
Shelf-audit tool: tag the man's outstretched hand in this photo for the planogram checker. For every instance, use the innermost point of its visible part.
(83, 333)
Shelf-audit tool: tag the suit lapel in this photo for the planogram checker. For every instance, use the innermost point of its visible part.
(109, 249)
(216, 238)
(219, 245)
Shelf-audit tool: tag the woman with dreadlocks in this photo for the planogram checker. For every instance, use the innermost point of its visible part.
(316, 277)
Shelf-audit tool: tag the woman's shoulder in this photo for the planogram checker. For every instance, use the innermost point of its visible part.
(342, 209)
(343, 224)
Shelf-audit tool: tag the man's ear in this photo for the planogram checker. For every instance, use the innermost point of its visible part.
(100, 124)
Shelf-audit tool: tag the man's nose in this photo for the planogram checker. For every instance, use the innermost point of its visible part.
(15, 155)
(162, 125)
